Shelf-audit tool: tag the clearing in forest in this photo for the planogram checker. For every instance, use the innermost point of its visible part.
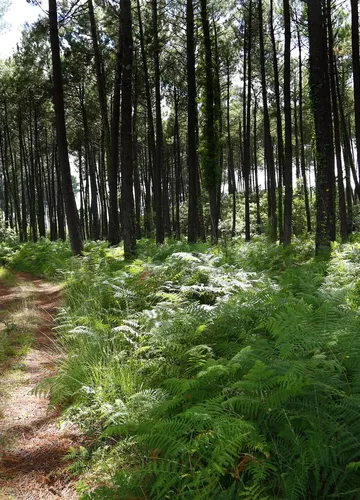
(32, 443)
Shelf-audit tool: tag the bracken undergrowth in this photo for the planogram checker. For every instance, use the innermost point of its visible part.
(210, 372)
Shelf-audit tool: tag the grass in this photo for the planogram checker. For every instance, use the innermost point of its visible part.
(7, 277)
(19, 317)
(210, 372)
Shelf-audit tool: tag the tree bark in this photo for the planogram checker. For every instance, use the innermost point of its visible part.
(320, 96)
(288, 183)
(127, 184)
(67, 189)
(269, 154)
(193, 213)
(158, 163)
(356, 72)
(337, 129)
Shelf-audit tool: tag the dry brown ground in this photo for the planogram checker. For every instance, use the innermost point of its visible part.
(32, 444)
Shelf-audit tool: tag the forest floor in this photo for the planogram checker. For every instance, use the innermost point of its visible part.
(33, 441)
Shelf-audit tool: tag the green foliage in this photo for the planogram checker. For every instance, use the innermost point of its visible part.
(43, 258)
(205, 375)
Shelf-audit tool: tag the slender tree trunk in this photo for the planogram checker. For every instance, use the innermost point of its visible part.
(231, 170)
(23, 233)
(356, 72)
(258, 216)
(211, 153)
(114, 224)
(302, 141)
(280, 142)
(247, 141)
(39, 179)
(288, 130)
(111, 153)
(158, 165)
(14, 184)
(269, 154)
(137, 185)
(127, 184)
(335, 111)
(218, 117)
(193, 214)
(348, 157)
(67, 189)
(177, 161)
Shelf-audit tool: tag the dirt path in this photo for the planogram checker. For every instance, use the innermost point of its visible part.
(32, 444)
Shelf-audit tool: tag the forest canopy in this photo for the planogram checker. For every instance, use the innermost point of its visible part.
(170, 118)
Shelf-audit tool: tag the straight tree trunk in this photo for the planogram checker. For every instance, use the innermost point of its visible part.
(111, 154)
(337, 131)
(231, 170)
(137, 184)
(288, 183)
(302, 141)
(211, 150)
(280, 142)
(114, 224)
(356, 72)
(177, 161)
(23, 225)
(258, 216)
(269, 154)
(320, 95)
(127, 184)
(39, 179)
(193, 213)
(66, 181)
(247, 141)
(159, 153)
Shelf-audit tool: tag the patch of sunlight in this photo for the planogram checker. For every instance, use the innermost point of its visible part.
(6, 276)
(26, 316)
(25, 289)
(115, 253)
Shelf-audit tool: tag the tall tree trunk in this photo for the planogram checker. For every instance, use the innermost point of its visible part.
(95, 227)
(177, 161)
(280, 142)
(111, 154)
(356, 72)
(14, 184)
(159, 160)
(337, 129)
(67, 189)
(320, 96)
(127, 184)
(231, 170)
(114, 225)
(302, 141)
(23, 225)
(211, 150)
(247, 138)
(137, 184)
(288, 132)
(218, 116)
(258, 216)
(39, 179)
(269, 154)
(193, 214)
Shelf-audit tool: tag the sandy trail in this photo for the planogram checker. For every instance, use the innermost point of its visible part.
(32, 444)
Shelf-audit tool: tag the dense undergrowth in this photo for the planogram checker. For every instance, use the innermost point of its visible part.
(210, 373)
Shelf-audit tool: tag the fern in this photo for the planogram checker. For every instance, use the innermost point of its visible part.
(220, 377)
